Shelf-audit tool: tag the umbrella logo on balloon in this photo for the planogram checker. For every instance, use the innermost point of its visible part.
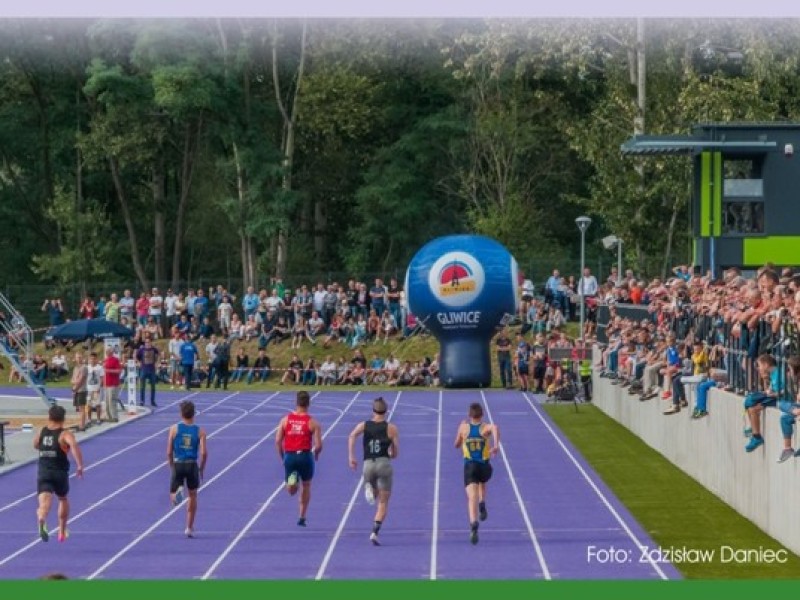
(456, 279)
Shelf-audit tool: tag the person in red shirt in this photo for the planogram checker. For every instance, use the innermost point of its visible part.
(88, 308)
(299, 444)
(112, 372)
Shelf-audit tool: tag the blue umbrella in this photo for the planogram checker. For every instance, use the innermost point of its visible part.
(88, 328)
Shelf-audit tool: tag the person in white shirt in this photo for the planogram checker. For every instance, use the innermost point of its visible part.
(224, 311)
(588, 284)
(175, 360)
(316, 325)
(127, 304)
(318, 304)
(327, 372)
(94, 379)
(169, 310)
(58, 364)
(156, 308)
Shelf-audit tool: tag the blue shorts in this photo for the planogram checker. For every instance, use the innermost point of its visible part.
(302, 462)
(755, 398)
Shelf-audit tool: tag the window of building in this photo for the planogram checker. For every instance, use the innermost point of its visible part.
(743, 218)
(743, 197)
(742, 178)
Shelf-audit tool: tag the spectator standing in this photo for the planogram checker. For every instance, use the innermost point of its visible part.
(112, 374)
(147, 359)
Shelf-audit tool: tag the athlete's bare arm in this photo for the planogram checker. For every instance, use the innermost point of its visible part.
(279, 437)
(351, 444)
(203, 451)
(394, 436)
(461, 433)
(69, 440)
(173, 431)
(316, 430)
(493, 431)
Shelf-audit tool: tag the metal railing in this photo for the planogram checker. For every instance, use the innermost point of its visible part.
(17, 345)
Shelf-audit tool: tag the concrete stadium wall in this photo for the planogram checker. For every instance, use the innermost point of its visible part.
(711, 450)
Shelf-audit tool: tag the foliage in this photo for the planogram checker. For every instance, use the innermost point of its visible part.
(405, 130)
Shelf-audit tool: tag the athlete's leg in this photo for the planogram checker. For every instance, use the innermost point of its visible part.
(191, 509)
(305, 496)
(472, 501)
(45, 500)
(63, 515)
(383, 505)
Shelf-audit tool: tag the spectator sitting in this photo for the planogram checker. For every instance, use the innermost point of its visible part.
(342, 371)
(250, 328)
(756, 401)
(236, 328)
(294, 372)
(261, 367)
(373, 326)
(310, 373)
(375, 373)
(336, 330)
(359, 333)
(58, 365)
(39, 369)
(388, 325)
(206, 330)
(242, 364)
(327, 372)
(790, 410)
(316, 326)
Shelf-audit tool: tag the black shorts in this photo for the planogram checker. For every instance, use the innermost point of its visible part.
(522, 369)
(53, 482)
(475, 472)
(186, 474)
(79, 398)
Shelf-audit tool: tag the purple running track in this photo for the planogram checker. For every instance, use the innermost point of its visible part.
(550, 515)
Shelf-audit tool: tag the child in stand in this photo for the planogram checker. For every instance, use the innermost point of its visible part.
(756, 401)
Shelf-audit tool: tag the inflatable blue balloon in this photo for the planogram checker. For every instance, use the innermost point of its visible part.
(462, 287)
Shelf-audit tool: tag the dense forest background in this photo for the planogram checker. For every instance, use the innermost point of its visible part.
(198, 150)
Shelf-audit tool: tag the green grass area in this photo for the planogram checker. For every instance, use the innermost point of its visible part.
(413, 349)
(672, 507)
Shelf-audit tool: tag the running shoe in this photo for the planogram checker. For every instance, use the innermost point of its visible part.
(373, 537)
(189, 532)
(755, 442)
(301, 522)
(43, 533)
(482, 511)
(178, 497)
(473, 534)
(63, 535)
(786, 455)
(369, 493)
(292, 480)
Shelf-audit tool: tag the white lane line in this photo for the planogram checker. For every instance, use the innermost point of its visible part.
(531, 533)
(210, 571)
(123, 488)
(155, 525)
(118, 452)
(332, 546)
(435, 533)
(597, 490)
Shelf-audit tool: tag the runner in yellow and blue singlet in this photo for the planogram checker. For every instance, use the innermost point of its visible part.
(473, 440)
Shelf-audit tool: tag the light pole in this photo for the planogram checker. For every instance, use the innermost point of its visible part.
(583, 224)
